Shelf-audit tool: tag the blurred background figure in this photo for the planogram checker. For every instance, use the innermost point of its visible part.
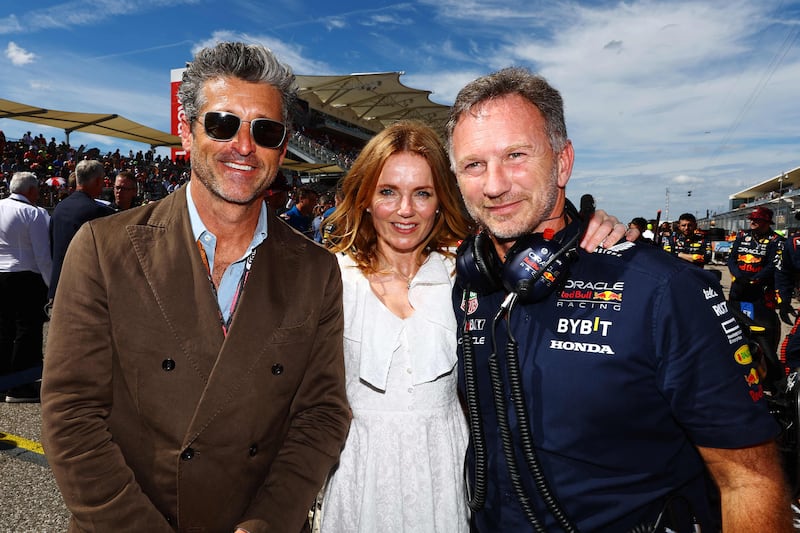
(25, 267)
(125, 189)
(277, 194)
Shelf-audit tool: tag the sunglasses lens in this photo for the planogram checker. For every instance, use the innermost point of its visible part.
(221, 126)
(268, 133)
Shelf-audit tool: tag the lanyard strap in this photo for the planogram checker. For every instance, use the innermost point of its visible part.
(248, 264)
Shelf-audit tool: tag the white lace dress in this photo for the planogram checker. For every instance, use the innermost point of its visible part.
(401, 469)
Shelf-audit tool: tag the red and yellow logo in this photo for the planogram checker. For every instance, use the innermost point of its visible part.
(752, 377)
(608, 296)
(743, 356)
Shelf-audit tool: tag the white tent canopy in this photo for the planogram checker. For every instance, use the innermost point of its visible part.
(372, 101)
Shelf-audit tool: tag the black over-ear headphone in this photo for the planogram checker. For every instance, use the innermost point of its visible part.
(533, 267)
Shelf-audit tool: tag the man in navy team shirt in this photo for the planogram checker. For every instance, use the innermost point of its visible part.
(602, 394)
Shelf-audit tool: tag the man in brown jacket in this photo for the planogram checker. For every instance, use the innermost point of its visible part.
(194, 376)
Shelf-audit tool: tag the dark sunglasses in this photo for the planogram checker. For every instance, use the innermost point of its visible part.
(222, 126)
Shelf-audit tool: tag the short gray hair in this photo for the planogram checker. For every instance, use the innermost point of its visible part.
(22, 182)
(87, 170)
(248, 62)
(510, 81)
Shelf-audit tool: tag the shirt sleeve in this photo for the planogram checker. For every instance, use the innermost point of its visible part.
(705, 367)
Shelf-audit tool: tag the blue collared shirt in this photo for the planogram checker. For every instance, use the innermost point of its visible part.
(230, 279)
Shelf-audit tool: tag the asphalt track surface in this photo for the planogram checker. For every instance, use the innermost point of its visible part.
(29, 498)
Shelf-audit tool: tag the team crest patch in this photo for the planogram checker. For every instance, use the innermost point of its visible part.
(471, 304)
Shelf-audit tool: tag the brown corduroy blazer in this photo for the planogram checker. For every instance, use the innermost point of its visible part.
(152, 419)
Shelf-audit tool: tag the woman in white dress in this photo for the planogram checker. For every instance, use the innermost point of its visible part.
(400, 218)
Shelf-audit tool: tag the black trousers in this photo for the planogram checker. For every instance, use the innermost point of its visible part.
(23, 296)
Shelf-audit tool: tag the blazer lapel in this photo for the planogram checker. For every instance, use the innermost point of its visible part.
(258, 315)
(178, 280)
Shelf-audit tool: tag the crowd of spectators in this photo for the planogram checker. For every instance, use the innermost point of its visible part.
(52, 162)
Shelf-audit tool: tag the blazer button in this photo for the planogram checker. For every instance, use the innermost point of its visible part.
(253, 450)
(277, 369)
(187, 454)
(167, 365)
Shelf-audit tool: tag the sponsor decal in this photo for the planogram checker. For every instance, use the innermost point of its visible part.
(591, 294)
(720, 308)
(608, 296)
(748, 267)
(471, 304)
(530, 263)
(732, 331)
(710, 293)
(583, 326)
(743, 355)
(614, 250)
(748, 258)
(757, 394)
(617, 286)
(752, 377)
(475, 324)
(586, 347)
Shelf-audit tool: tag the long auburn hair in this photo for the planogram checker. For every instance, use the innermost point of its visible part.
(353, 232)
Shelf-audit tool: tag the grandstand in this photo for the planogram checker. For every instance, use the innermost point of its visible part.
(780, 193)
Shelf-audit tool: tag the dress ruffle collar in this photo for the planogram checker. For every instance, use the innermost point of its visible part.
(429, 334)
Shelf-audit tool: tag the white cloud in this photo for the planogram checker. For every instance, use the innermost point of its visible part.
(10, 24)
(683, 179)
(18, 55)
(335, 23)
(37, 85)
(385, 19)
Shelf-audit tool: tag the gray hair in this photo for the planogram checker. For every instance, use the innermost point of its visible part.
(248, 62)
(22, 182)
(87, 170)
(510, 81)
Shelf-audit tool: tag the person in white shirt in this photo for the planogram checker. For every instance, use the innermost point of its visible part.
(25, 266)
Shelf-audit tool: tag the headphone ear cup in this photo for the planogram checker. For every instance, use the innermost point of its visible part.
(477, 265)
(524, 270)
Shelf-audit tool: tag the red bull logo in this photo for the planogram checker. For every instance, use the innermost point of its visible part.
(748, 259)
(576, 295)
(530, 263)
(757, 394)
(752, 377)
(549, 276)
(743, 355)
(608, 296)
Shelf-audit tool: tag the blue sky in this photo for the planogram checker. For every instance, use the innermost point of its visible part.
(700, 96)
